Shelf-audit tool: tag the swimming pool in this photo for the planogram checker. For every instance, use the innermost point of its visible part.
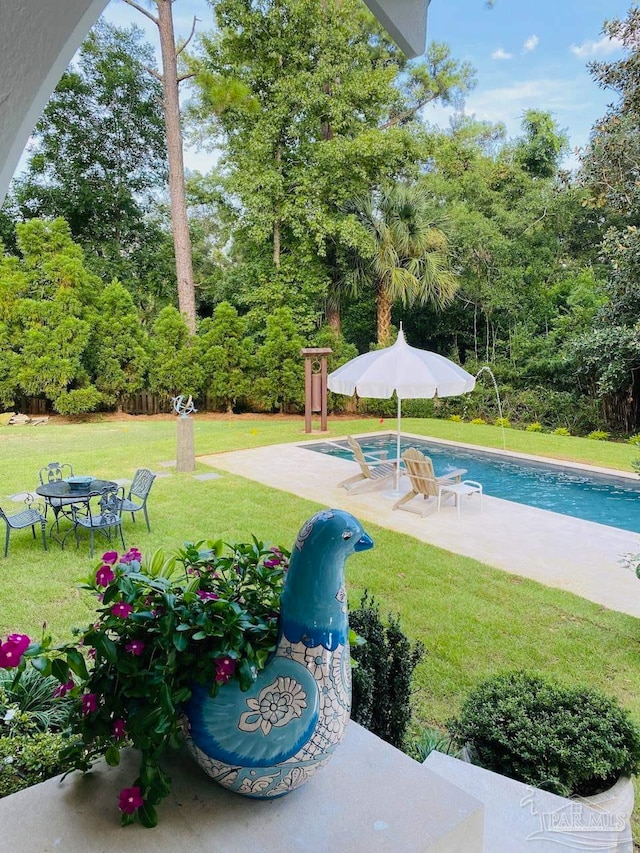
(603, 498)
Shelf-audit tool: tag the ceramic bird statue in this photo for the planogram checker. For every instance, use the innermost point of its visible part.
(270, 739)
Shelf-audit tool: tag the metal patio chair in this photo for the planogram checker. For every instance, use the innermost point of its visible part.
(140, 488)
(28, 517)
(52, 473)
(103, 517)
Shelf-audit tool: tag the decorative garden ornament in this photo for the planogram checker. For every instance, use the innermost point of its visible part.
(186, 454)
(182, 407)
(270, 739)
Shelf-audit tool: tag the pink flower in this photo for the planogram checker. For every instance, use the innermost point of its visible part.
(12, 650)
(122, 610)
(92, 654)
(207, 596)
(61, 691)
(104, 576)
(136, 647)
(225, 667)
(275, 561)
(89, 703)
(131, 555)
(130, 800)
(110, 557)
(119, 729)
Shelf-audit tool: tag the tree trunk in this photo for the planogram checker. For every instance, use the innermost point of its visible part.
(179, 221)
(334, 320)
(384, 317)
(276, 242)
(475, 331)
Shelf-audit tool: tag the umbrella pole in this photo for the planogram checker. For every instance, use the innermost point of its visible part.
(397, 475)
(396, 493)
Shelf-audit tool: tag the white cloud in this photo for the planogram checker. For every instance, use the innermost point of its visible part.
(501, 54)
(588, 49)
(531, 43)
(507, 104)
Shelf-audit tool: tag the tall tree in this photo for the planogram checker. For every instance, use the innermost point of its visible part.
(401, 252)
(540, 149)
(611, 350)
(49, 302)
(97, 154)
(331, 116)
(170, 80)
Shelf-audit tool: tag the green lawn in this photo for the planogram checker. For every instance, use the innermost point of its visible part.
(473, 620)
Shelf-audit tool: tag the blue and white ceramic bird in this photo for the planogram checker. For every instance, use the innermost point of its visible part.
(269, 740)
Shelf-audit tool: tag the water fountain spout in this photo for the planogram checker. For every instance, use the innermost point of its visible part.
(486, 369)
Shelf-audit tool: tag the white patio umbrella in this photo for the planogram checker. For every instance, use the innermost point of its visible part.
(412, 373)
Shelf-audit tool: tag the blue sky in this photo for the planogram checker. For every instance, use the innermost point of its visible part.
(530, 54)
(527, 53)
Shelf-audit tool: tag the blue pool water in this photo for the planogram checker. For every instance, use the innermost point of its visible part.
(594, 497)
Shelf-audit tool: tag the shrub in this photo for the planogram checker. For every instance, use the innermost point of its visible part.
(561, 431)
(478, 421)
(457, 419)
(634, 439)
(382, 677)
(599, 435)
(31, 719)
(503, 422)
(534, 427)
(566, 740)
(78, 401)
(29, 758)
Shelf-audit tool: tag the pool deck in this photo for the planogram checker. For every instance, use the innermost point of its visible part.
(557, 550)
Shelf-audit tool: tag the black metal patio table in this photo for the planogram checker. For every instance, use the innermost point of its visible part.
(79, 493)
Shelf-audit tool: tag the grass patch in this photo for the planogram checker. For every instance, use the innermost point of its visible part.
(474, 620)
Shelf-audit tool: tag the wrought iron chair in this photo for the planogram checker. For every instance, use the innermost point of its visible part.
(140, 488)
(28, 517)
(55, 471)
(52, 473)
(103, 517)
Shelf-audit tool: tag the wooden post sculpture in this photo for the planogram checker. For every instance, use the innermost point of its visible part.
(186, 455)
(315, 385)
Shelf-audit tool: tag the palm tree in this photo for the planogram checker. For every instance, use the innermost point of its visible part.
(402, 252)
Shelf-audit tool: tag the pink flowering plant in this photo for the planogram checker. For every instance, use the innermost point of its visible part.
(208, 614)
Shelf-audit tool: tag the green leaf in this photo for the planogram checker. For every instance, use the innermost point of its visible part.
(180, 641)
(77, 663)
(245, 675)
(105, 646)
(165, 699)
(147, 815)
(43, 665)
(60, 670)
(112, 756)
